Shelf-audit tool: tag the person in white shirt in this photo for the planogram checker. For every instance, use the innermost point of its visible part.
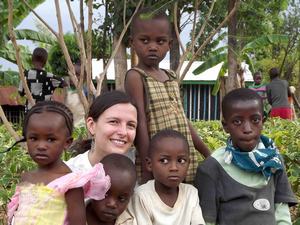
(166, 200)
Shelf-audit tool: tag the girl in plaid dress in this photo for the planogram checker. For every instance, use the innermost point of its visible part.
(156, 92)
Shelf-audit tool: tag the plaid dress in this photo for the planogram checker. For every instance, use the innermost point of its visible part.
(164, 110)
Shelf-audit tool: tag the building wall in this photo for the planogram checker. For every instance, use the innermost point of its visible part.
(199, 103)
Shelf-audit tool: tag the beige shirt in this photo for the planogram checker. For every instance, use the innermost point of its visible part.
(149, 209)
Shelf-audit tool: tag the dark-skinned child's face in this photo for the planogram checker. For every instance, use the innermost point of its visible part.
(47, 137)
(151, 41)
(169, 163)
(116, 199)
(244, 122)
(257, 79)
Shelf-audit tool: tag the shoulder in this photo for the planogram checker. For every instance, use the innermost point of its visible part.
(133, 76)
(79, 162)
(171, 74)
(211, 166)
(134, 72)
(145, 189)
(188, 189)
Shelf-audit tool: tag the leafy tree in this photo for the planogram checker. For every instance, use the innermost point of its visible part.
(20, 12)
(56, 57)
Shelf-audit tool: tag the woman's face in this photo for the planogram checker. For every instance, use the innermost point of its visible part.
(115, 129)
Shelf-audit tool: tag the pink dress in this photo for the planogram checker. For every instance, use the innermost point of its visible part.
(40, 204)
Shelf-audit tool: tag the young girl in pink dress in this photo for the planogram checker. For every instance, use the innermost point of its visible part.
(52, 194)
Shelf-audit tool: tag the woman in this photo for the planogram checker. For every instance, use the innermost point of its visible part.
(112, 121)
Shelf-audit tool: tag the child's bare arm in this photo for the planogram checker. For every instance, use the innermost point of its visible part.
(75, 206)
(135, 89)
(198, 143)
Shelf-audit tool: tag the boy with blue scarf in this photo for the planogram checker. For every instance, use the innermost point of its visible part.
(244, 183)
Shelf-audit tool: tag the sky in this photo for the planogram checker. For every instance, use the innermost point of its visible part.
(47, 11)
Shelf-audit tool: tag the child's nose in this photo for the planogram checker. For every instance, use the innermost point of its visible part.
(174, 166)
(111, 202)
(247, 127)
(152, 46)
(42, 145)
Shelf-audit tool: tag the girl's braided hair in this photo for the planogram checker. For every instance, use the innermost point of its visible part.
(47, 106)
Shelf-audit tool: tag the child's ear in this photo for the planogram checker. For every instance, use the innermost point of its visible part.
(224, 124)
(68, 142)
(90, 124)
(170, 43)
(148, 164)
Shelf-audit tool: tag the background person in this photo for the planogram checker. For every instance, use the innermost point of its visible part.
(261, 89)
(277, 93)
(40, 82)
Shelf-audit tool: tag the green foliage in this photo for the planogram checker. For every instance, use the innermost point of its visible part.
(20, 11)
(9, 78)
(56, 57)
(9, 53)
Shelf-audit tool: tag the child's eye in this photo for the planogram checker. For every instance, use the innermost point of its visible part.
(123, 199)
(237, 122)
(162, 41)
(182, 161)
(256, 120)
(164, 161)
(32, 138)
(51, 139)
(145, 41)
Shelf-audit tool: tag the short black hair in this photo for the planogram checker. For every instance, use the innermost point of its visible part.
(120, 163)
(148, 13)
(40, 55)
(257, 73)
(50, 106)
(166, 133)
(274, 72)
(237, 95)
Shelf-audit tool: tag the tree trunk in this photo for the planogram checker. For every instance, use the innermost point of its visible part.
(174, 51)
(231, 82)
(120, 62)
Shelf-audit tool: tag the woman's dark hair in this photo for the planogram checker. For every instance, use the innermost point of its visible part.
(105, 101)
(47, 106)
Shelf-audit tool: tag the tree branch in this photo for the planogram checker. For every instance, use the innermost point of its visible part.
(101, 76)
(43, 21)
(67, 56)
(211, 35)
(176, 27)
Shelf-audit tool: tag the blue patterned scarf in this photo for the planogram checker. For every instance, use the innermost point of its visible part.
(266, 160)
